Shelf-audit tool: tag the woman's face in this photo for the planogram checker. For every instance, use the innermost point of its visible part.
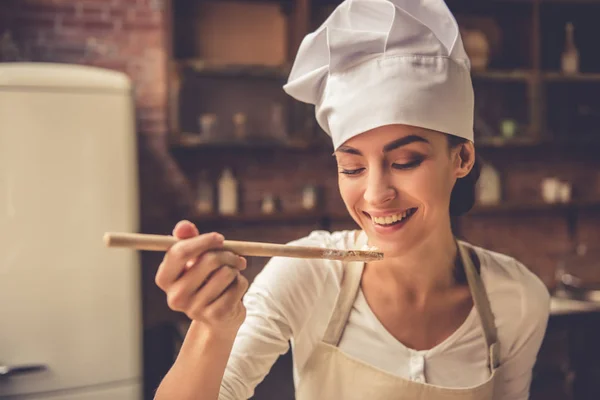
(396, 182)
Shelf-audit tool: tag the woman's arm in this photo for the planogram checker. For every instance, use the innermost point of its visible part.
(198, 371)
(220, 362)
(204, 283)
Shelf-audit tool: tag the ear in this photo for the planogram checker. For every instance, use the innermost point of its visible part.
(464, 159)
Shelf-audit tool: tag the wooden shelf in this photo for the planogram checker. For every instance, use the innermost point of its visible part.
(487, 143)
(316, 216)
(579, 77)
(529, 143)
(568, 2)
(194, 141)
(283, 217)
(543, 1)
(503, 76)
(248, 1)
(511, 207)
(208, 68)
(526, 75)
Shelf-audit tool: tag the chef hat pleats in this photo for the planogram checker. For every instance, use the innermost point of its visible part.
(381, 62)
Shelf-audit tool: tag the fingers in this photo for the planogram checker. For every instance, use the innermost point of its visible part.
(228, 305)
(214, 259)
(185, 229)
(203, 280)
(180, 293)
(220, 281)
(174, 261)
(233, 294)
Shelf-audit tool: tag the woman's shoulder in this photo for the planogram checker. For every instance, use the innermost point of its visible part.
(506, 274)
(519, 299)
(307, 275)
(296, 288)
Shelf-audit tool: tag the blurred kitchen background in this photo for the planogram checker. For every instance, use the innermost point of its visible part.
(220, 144)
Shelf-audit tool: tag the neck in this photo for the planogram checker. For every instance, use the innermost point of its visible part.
(424, 270)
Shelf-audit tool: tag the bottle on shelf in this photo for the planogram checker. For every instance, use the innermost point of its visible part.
(240, 125)
(570, 55)
(207, 124)
(309, 197)
(488, 189)
(268, 204)
(204, 194)
(228, 193)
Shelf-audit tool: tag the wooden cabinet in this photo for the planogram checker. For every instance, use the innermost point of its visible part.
(231, 57)
(228, 63)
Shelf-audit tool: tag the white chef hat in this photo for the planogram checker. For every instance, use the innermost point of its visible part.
(381, 62)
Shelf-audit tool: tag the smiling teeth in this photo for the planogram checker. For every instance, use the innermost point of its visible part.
(390, 219)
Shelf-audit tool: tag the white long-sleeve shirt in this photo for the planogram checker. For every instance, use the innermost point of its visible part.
(292, 300)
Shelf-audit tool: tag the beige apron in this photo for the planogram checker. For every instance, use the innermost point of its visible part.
(331, 374)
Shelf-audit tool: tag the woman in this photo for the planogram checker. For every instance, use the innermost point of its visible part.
(436, 318)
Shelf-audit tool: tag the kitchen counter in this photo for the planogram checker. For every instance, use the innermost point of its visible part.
(564, 306)
(567, 364)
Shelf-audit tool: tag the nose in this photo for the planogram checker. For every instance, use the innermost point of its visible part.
(379, 189)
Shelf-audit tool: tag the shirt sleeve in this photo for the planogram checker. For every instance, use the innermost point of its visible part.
(278, 304)
(515, 373)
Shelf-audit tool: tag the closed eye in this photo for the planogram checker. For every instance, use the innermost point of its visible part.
(410, 165)
(351, 171)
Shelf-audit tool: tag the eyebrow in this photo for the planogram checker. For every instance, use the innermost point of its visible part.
(388, 147)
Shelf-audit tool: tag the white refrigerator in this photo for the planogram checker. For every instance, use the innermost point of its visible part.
(70, 309)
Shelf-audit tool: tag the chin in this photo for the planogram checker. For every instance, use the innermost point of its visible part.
(391, 245)
(395, 240)
(392, 249)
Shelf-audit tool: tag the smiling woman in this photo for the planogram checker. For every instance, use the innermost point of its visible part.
(437, 318)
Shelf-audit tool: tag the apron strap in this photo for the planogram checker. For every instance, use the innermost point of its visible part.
(482, 304)
(348, 292)
(351, 276)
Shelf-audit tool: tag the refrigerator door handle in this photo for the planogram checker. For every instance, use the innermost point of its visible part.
(7, 371)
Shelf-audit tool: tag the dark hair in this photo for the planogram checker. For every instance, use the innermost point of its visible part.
(462, 198)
